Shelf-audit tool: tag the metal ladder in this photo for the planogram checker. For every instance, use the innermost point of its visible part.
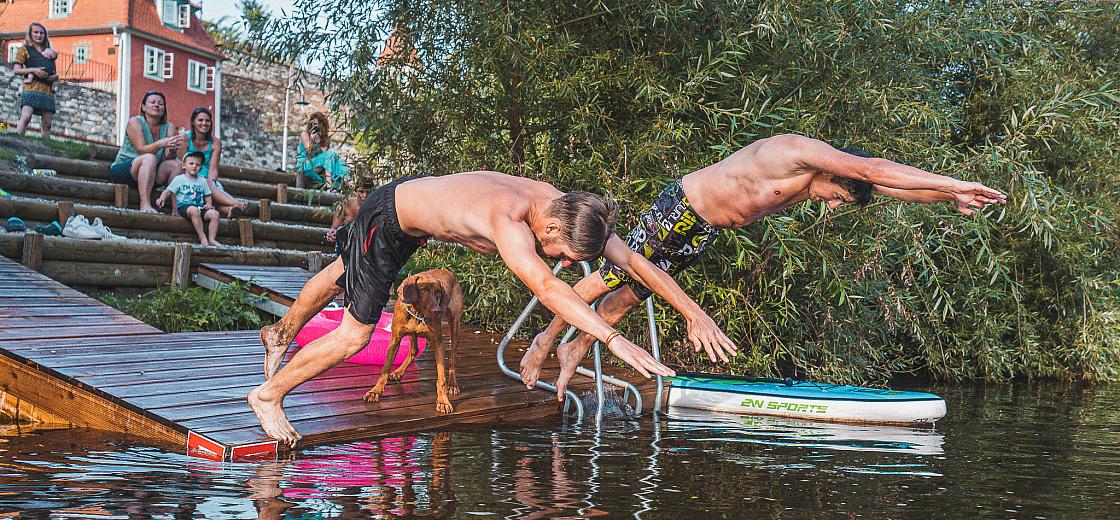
(569, 396)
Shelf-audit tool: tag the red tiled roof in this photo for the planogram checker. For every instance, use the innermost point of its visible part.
(86, 14)
(102, 14)
(143, 17)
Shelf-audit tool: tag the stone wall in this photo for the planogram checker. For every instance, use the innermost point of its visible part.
(84, 114)
(253, 112)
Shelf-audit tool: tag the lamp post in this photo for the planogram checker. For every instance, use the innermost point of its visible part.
(284, 144)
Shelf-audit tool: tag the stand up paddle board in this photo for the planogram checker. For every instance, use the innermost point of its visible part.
(803, 399)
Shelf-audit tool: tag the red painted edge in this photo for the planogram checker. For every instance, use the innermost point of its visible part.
(199, 446)
(256, 451)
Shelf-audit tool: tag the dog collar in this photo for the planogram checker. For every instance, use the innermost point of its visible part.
(408, 308)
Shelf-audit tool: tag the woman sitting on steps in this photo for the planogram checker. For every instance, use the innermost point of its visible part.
(314, 159)
(141, 162)
(201, 139)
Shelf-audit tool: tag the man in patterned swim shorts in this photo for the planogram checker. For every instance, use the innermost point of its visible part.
(765, 177)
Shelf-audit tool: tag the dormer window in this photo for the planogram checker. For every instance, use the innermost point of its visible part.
(60, 8)
(175, 13)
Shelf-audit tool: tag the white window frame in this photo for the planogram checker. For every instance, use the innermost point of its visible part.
(81, 54)
(13, 49)
(198, 76)
(60, 8)
(155, 63)
(184, 15)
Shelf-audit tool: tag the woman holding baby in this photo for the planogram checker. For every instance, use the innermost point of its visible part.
(35, 60)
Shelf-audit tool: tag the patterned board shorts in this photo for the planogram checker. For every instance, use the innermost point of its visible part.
(670, 235)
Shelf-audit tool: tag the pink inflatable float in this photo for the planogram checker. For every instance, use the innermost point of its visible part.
(374, 353)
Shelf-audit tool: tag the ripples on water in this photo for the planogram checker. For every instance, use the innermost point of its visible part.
(1024, 451)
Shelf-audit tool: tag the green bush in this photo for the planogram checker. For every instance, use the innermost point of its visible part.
(195, 309)
(1022, 96)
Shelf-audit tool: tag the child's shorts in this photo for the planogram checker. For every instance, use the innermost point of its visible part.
(181, 210)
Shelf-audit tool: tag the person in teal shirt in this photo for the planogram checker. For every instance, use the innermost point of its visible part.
(315, 160)
(201, 139)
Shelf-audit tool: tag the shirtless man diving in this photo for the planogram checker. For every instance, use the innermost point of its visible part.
(518, 218)
(765, 177)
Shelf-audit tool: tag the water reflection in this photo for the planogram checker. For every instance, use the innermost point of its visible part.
(1048, 451)
(781, 431)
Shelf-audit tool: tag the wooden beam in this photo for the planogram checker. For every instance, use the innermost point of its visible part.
(314, 261)
(82, 408)
(181, 266)
(282, 193)
(264, 210)
(120, 195)
(102, 157)
(245, 227)
(32, 250)
(65, 211)
(106, 275)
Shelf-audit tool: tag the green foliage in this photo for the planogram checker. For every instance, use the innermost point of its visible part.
(195, 309)
(622, 98)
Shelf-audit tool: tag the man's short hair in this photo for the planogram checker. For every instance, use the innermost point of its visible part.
(859, 189)
(588, 221)
(196, 155)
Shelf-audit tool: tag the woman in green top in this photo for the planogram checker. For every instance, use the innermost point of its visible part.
(314, 159)
(141, 160)
(201, 139)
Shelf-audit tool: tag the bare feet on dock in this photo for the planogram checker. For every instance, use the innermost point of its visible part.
(276, 342)
(271, 415)
(569, 356)
(532, 360)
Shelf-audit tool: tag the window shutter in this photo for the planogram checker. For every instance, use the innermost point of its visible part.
(168, 65)
(210, 78)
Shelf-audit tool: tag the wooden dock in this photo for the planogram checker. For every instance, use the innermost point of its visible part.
(66, 357)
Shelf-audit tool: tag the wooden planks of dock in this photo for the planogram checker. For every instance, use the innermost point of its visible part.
(73, 357)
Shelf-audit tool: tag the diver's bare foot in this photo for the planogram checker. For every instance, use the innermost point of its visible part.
(276, 342)
(532, 361)
(569, 355)
(272, 418)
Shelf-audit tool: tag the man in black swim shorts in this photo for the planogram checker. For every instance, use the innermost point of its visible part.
(518, 218)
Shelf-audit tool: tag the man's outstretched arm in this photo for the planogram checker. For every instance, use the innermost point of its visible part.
(965, 203)
(517, 248)
(702, 330)
(813, 154)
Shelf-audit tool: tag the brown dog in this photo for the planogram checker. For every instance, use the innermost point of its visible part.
(423, 300)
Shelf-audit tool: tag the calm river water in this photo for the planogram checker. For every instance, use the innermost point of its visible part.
(1016, 451)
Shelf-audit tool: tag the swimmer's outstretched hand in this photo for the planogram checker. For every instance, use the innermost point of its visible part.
(638, 358)
(706, 335)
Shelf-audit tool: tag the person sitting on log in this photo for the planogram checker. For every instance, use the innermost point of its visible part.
(314, 158)
(201, 139)
(141, 162)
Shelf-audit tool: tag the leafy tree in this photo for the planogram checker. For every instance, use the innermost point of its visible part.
(623, 97)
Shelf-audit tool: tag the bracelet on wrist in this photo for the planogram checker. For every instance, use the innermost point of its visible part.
(611, 336)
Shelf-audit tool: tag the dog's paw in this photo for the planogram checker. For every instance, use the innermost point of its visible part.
(452, 390)
(444, 407)
(373, 395)
(396, 375)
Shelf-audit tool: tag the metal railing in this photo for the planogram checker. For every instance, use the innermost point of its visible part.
(569, 396)
(89, 73)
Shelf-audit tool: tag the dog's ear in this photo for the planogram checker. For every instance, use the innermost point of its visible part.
(442, 298)
(410, 294)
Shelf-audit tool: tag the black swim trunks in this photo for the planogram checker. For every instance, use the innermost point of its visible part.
(670, 235)
(374, 249)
